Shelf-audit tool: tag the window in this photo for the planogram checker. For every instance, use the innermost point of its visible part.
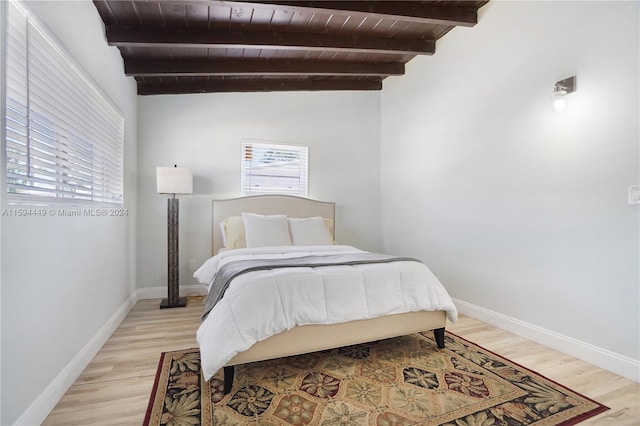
(269, 168)
(64, 137)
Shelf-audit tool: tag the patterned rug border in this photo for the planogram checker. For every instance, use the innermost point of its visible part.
(600, 408)
(156, 382)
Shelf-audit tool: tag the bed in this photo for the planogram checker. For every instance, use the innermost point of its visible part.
(223, 344)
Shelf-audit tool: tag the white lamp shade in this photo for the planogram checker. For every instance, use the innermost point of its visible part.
(174, 180)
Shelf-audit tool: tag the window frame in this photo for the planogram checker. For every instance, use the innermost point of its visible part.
(280, 149)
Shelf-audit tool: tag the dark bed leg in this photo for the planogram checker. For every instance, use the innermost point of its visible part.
(438, 333)
(228, 378)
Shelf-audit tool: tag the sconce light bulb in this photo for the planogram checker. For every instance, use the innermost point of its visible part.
(559, 101)
(560, 104)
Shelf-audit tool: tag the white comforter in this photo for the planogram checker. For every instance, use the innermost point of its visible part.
(260, 304)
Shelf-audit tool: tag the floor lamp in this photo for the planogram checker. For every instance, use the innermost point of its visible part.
(173, 180)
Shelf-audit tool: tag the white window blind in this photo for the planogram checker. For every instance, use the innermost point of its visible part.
(64, 137)
(269, 168)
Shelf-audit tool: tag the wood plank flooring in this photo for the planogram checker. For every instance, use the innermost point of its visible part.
(114, 389)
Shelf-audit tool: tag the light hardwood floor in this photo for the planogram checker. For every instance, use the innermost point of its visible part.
(114, 389)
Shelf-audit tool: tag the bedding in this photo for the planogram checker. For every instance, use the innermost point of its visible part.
(231, 270)
(262, 303)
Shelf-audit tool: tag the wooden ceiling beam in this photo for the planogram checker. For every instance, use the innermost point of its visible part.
(176, 88)
(248, 67)
(406, 11)
(203, 38)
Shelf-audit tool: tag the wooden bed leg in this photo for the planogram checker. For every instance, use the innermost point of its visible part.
(228, 378)
(438, 333)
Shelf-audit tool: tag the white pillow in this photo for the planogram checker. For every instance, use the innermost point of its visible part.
(309, 231)
(262, 230)
(232, 229)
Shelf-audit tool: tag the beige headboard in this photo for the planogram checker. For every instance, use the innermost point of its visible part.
(267, 204)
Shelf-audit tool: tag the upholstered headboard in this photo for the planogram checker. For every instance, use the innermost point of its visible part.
(267, 204)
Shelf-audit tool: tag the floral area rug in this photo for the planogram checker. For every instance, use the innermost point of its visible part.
(393, 382)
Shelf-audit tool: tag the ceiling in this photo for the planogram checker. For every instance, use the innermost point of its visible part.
(202, 46)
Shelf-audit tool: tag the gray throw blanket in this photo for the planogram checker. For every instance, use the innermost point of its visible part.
(229, 271)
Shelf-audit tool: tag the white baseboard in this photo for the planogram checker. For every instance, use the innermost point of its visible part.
(39, 409)
(145, 293)
(603, 358)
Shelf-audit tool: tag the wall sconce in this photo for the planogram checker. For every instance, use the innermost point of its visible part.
(561, 90)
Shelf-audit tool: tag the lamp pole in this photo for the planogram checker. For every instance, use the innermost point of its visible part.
(173, 299)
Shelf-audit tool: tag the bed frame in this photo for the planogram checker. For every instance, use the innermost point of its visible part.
(312, 338)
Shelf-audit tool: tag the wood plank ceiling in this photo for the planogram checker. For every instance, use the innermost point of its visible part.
(200, 46)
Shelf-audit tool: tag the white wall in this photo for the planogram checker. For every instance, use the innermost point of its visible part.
(519, 209)
(205, 132)
(63, 278)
